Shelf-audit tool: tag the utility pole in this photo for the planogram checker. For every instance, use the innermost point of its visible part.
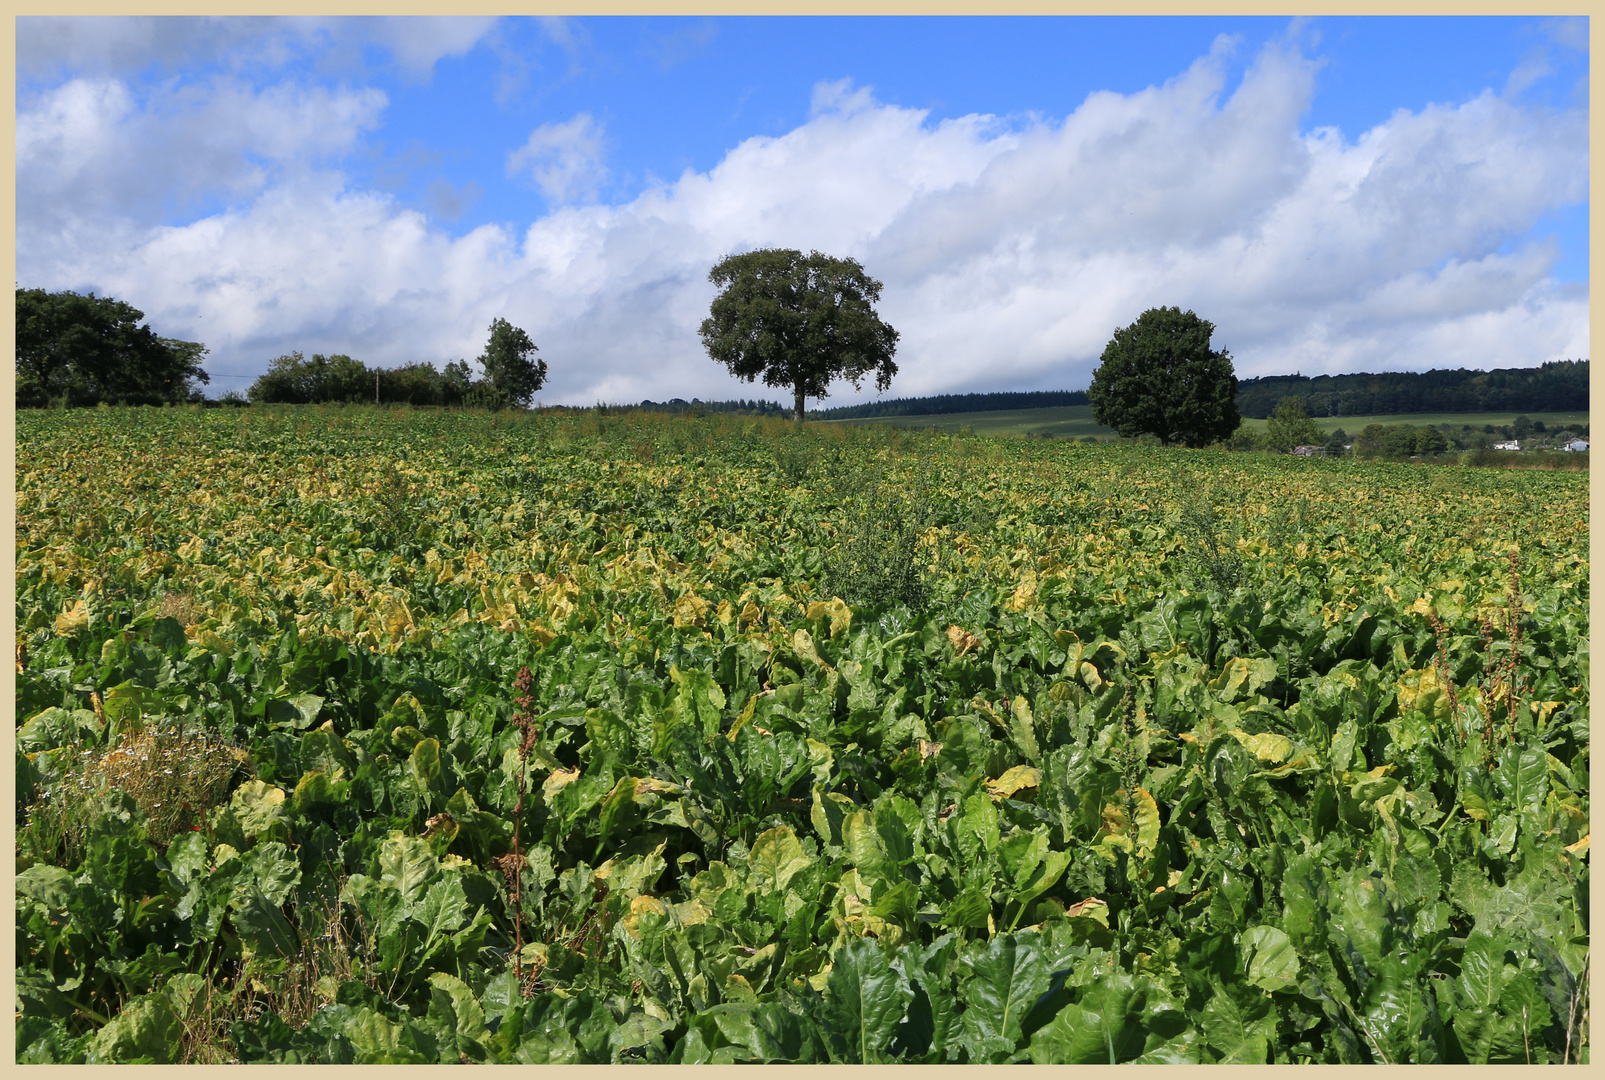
(376, 388)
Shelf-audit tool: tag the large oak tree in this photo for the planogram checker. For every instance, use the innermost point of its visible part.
(798, 321)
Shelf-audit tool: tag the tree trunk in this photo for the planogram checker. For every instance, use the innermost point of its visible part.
(797, 414)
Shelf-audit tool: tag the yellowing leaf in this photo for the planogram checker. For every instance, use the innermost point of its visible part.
(74, 619)
(963, 641)
(688, 610)
(802, 642)
(1267, 746)
(557, 781)
(1091, 908)
(841, 616)
(1147, 814)
(1021, 776)
(776, 857)
(744, 719)
(1025, 594)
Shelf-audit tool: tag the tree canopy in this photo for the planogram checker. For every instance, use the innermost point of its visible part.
(511, 373)
(292, 379)
(1290, 426)
(84, 350)
(1159, 377)
(798, 321)
(511, 378)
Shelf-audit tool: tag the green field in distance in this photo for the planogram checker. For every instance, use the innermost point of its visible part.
(1075, 421)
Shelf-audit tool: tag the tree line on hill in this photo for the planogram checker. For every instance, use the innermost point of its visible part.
(956, 403)
(697, 407)
(1558, 386)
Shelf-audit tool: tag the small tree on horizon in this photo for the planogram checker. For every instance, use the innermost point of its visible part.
(1159, 377)
(798, 321)
(1290, 426)
(512, 375)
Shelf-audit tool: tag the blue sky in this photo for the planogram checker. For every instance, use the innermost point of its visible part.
(1335, 194)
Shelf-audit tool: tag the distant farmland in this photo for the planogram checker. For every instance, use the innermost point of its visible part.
(1075, 421)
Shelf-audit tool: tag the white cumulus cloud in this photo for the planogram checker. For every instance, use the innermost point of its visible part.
(564, 159)
(1009, 250)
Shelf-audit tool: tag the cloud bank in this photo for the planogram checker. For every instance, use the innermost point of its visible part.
(1010, 249)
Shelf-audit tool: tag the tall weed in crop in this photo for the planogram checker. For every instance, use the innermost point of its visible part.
(175, 774)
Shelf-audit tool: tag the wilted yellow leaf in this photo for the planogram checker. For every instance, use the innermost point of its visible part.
(557, 781)
(1021, 776)
(963, 641)
(1025, 593)
(73, 620)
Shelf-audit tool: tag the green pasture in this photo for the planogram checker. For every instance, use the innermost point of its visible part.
(1075, 421)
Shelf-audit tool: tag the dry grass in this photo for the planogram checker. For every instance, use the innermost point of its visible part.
(183, 607)
(175, 774)
(295, 989)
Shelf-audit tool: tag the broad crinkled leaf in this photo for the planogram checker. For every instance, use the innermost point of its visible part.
(975, 827)
(1272, 963)
(148, 1028)
(1006, 978)
(406, 864)
(864, 1001)
(441, 908)
(863, 844)
(829, 812)
(258, 807)
(1235, 1037)
(776, 857)
(1104, 1028)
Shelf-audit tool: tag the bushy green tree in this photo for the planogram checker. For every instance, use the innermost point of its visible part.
(455, 383)
(417, 383)
(1290, 426)
(84, 350)
(1370, 442)
(798, 321)
(1399, 441)
(1335, 443)
(1159, 377)
(1522, 427)
(293, 379)
(512, 375)
(1430, 440)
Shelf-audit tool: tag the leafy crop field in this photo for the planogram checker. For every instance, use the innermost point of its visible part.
(350, 735)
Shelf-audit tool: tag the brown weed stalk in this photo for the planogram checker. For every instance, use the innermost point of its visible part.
(1503, 681)
(512, 867)
(1440, 663)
